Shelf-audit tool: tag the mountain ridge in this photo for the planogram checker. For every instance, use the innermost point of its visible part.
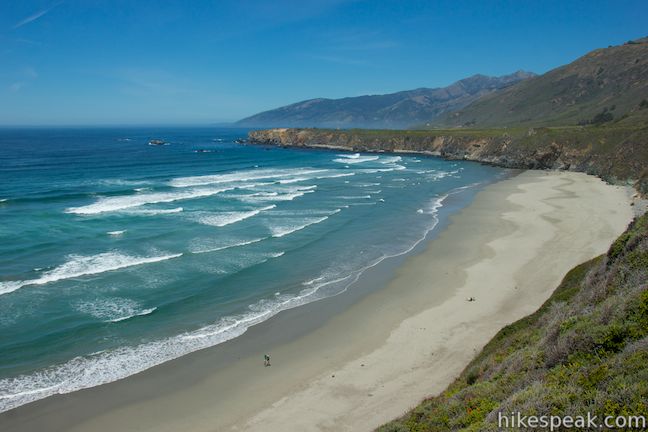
(604, 85)
(393, 110)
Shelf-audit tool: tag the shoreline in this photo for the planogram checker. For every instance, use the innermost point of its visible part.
(387, 350)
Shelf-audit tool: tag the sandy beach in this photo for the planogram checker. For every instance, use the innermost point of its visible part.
(385, 351)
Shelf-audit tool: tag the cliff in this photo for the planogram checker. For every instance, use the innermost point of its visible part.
(614, 154)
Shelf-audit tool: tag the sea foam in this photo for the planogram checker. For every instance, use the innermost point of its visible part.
(108, 366)
(77, 266)
(226, 218)
(117, 203)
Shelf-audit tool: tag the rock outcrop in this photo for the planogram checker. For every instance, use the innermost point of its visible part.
(614, 155)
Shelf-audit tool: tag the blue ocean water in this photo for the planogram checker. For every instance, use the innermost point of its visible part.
(116, 255)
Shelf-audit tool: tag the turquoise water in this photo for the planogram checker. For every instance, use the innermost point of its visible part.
(116, 255)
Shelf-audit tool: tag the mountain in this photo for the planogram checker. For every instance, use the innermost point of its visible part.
(395, 110)
(605, 85)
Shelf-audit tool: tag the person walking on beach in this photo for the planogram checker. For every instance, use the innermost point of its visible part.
(266, 360)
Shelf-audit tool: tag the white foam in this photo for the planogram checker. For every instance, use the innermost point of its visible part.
(206, 249)
(113, 309)
(347, 174)
(153, 212)
(140, 313)
(77, 266)
(349, 156)
(390, 160)
(286, 195)
(117, 203)
(243, 176)
(108, 366)
(288, 226)
(226, 218)
(116, 233)
(356, 160)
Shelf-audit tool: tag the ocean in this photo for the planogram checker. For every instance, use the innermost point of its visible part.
(117, 255)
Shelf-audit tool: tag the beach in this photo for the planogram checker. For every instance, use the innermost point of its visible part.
(382, 352)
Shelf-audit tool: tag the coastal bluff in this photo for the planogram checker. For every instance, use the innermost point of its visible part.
(616, 155)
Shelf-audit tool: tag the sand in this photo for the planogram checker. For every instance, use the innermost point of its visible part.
(385, 351)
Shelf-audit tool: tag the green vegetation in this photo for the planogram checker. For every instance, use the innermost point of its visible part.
(608, 84)
(585, 350)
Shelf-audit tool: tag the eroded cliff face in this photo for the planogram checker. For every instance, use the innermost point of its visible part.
(617, 157)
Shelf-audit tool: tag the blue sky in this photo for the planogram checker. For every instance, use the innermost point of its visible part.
(75, 62)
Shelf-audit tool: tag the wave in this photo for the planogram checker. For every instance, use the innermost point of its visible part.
(289, 225)
(242, 176)
(112, 204)
(390, 159)
(113, 309)
(349, 156)
(228, 218)
(78, 266)
(206, 249)
(108, 366)
(356, 160)
(140, 313)
(152, 212)
(286, 228)
(317, 177)
(116, 233)
(332, 277)
(436, 204)
(289, 195)
(122, 182)
(347, 174)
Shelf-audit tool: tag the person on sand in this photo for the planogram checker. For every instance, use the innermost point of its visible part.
(266, 360)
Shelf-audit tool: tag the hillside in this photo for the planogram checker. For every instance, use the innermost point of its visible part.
(396, 110)
(585, 350)
(603, 86)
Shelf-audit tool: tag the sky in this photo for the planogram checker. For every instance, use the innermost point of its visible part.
(111, 62)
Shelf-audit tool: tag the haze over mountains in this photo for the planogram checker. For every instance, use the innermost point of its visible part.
(389, 111)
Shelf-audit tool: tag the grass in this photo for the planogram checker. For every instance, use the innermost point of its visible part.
(585, 350)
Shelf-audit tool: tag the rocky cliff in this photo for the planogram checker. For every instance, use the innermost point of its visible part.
(616, 155)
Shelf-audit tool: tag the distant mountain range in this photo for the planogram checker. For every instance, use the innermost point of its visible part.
(605, 85)
(389, 111)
